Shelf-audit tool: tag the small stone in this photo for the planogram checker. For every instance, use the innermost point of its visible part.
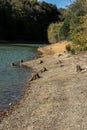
(10, 104)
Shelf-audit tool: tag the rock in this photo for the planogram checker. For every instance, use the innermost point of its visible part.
(41, 61)
(10, 104)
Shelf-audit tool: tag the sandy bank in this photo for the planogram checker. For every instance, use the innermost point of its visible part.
(54, 48)
(55, 101)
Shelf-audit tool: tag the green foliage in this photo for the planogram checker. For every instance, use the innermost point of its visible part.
(65, 29)
(72, 51)
(53, 32)
(74, 26)
(80, 37)
(68, 47)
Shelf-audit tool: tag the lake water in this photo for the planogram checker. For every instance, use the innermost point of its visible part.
(13, 78)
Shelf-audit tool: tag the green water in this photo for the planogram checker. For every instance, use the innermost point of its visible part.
(13, 78)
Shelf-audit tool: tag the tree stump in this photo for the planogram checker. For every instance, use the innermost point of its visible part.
(34, 77)
(78, 68)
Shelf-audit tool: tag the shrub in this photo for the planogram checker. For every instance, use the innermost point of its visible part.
(84, 48)
(72, 50)
(68, 47)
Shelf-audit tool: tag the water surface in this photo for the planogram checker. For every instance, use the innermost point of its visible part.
(13, 78)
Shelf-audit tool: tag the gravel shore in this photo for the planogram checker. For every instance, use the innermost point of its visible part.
(56, 99)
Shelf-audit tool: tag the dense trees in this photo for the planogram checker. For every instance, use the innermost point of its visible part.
(73, 26)
(54, 32)
(78, 24)
(26, 20)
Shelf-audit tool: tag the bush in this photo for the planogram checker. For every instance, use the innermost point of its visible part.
(84, 48)
(68, 47)
(73, 51)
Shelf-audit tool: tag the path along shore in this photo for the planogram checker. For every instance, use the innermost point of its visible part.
(57, 98)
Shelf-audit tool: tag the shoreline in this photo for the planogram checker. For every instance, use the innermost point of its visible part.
(22, 42)
(42, 50)
(56, 99)
(7, 112)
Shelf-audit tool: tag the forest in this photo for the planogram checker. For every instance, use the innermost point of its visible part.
(26, 20)
(33, 21)
(72, 27)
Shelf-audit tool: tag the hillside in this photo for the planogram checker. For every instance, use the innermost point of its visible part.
(25, 20)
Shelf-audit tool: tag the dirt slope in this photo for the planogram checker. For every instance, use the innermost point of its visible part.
(54, 48)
